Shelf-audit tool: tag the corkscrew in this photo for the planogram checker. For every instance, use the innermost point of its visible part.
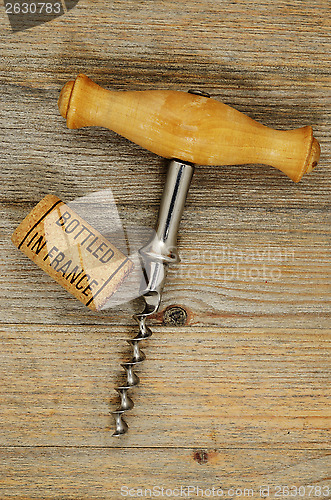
(188, 128)
(156, 256)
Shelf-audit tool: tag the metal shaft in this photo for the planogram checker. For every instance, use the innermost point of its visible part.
(162, 249)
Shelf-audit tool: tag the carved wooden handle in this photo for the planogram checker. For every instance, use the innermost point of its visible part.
(188, 127)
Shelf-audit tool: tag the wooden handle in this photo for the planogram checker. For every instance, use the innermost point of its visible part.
(188, 127)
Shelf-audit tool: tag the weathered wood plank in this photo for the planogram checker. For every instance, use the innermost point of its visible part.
(230, 273)
(49, 158)
(200, 38)
(278, 77)
(58, 473)
(201, 387)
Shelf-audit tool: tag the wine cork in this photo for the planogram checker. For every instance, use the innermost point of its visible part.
(72, 252)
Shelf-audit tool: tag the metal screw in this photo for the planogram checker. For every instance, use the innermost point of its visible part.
(199, 92)
(175, 315)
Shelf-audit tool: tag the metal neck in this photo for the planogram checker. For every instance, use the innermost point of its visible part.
(161, 250)
(172, 204)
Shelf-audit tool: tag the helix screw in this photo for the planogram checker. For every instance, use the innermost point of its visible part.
(132, 378)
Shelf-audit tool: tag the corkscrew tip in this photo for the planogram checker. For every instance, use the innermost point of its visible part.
(121, 426)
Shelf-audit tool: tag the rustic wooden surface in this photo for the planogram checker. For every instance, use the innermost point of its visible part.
(239, 396)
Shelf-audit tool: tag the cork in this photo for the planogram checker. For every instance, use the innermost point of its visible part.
(72, 252)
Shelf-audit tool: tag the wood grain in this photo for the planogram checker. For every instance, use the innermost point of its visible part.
(66, 471)
(230, 274)
(239, 396)
(205, 387)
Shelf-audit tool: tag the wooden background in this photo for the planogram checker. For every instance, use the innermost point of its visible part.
(238, 395)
